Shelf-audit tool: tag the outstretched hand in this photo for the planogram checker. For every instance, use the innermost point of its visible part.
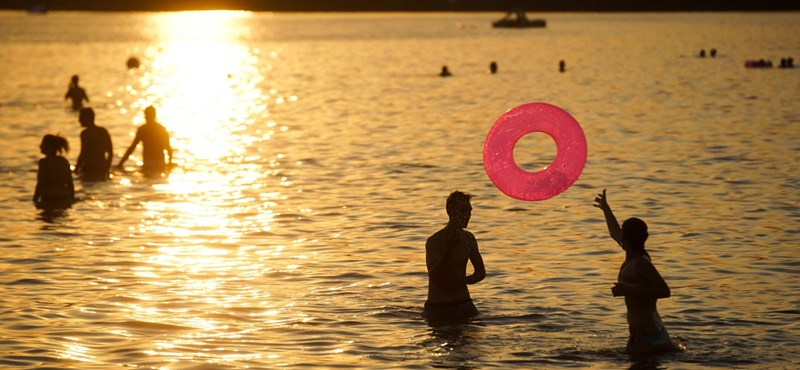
(602, 201)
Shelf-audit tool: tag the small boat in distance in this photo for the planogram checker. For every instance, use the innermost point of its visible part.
(517, 19)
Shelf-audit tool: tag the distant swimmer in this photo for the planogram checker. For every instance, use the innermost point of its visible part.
(446, 254)
(702, 53)
(76, 93)
(132, 63)
(94, 161)
(493, 67)
(562, 66)
(713, 53)
(155, 141)
(54, 186)
(445, 72)
(641, 285)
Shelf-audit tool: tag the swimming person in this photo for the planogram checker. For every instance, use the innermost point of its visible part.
(76, 93)
(493, 67)
(640, 283)
(155, 141)
(54, 186)
(446, 255)
(445, 72)
(94, 161)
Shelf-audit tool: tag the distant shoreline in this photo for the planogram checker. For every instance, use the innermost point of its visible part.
(533, 6)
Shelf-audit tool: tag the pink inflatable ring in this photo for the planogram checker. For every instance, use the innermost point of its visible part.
(498, 151)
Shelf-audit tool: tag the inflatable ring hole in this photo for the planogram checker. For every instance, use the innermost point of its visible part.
(535, 151)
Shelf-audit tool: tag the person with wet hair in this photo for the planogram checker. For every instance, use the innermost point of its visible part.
(640, 283)
(54, 186)
(446, 255)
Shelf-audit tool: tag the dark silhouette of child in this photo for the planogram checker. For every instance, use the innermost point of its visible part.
(54, 186)
(155, 141)
(94, 161)
(446, 255)
(641, 285)
(76, 93)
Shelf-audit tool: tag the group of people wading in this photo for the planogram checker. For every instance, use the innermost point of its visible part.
(54, 186)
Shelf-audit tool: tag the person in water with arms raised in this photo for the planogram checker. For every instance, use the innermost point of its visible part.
(446, 255)
(641, 285)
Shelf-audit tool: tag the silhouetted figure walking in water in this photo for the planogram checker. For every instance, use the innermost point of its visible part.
(493, 67)
(76, 93)
(94, 161)
(562, 66)
(445, 72)
(54, 186)
(446, 255)
(640, 283)
(155, 141)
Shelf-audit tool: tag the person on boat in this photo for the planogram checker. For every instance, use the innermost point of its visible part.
(76, 93)
(155, 142)
(54, 186)
(445, 72)
(446, 255)
(640, 283)
(94, 161)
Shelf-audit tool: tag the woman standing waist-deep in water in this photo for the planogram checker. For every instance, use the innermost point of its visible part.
(54, 186)
(641, 285)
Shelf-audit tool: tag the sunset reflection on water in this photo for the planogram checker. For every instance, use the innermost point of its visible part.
(204, 81)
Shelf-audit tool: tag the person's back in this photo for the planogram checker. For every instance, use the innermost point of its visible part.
(446, 255)
(460, 243)
(54, 186)
(94, 160)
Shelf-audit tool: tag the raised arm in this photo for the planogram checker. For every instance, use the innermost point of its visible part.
(613, 226)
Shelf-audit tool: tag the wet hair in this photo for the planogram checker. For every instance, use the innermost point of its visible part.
(457, 202)
(86, 113)
(634, 231)
(55, 144)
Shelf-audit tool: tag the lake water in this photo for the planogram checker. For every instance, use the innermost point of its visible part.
(314, 154)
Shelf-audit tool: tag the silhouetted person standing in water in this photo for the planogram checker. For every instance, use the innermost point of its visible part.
(641, 285)
(76, 93)
(445, 72)
(94, 161)
(446, 255)
(155, 140)
(54, 186)
(493, 67)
